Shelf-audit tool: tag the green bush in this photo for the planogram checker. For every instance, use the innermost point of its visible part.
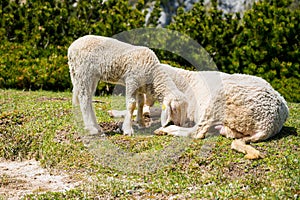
(35, 37)
(264, 42)
(268, 46)
(24, 67)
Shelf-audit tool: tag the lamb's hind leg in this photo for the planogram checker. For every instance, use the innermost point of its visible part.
(239, 144)
(85, 89)
(140, 107)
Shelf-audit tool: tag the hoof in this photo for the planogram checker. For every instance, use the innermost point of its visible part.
(93, 130)
(254, 155)
(160, 131)
(129, 133)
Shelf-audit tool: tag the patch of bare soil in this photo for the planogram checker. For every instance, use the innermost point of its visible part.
(152, 122)
(18, 178)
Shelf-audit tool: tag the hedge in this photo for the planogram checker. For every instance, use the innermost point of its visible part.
(264, 41)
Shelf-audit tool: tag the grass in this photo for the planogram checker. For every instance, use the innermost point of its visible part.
(41, 125)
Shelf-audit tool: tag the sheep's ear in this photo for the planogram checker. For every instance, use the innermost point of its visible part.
(165, 114)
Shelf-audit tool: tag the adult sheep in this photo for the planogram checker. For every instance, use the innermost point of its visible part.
(95, 58)
(238, 106)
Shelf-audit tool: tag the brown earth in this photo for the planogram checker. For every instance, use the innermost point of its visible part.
(18, 178)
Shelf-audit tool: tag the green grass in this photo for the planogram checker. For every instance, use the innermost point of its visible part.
(41, 125)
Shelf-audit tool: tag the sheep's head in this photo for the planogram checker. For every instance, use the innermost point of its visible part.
(174, 112)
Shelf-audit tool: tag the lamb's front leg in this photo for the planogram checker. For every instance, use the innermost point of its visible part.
(131, 89)
(127, 124)
(175, 131)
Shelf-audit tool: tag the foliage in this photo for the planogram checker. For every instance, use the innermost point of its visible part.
(35, 37)
(24, 67)
(210, 27)
(60, 22)
(264, 42)
(268, 46)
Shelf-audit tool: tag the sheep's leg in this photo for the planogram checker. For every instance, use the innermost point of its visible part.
(228, 132)
(241, 146)
(131, 90)
(140, 107)
(258, 136)
(175, 131)
(76, 105)
(146, 110)
(198, 131)
(240, 143)
(149, 101)
(202, 130)
(85, 92)
(75, 100)
(127, 124)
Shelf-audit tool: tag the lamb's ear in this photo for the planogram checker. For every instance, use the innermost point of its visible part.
(165, 114)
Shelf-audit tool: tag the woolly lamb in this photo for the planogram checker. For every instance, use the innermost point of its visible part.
(95, 58)
(238, 106)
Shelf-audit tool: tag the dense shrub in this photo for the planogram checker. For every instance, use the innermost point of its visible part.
(24, 67)
(268, 46)
(34, 38)
(59, 22)
(265, 42)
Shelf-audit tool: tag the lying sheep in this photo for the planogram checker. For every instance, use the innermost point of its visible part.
(95, 58)
(242, 107)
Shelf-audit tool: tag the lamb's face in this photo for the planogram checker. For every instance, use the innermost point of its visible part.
(174, 112)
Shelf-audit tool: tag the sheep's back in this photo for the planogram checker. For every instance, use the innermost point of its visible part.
(253, 106)
(110, 59)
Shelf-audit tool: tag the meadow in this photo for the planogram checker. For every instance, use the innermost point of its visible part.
(42, 125)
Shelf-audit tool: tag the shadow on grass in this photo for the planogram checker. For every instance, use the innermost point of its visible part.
(285, 132)
(152, 123)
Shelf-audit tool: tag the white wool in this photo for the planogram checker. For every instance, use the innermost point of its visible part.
(239, 106)
(95, 58)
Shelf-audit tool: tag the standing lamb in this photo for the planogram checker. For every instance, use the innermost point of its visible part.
(95, 58)
(239, 106)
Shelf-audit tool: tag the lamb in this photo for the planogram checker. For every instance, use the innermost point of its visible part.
(242, 107)
(96, 58)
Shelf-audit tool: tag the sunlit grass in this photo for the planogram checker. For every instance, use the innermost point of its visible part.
(41, 125)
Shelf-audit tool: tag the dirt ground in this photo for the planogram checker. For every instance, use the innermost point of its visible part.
(18, 178)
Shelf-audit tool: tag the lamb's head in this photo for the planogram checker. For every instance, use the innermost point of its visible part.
(174, 111)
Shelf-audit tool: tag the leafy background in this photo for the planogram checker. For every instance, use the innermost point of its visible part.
(262, 41)
(34, 37)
